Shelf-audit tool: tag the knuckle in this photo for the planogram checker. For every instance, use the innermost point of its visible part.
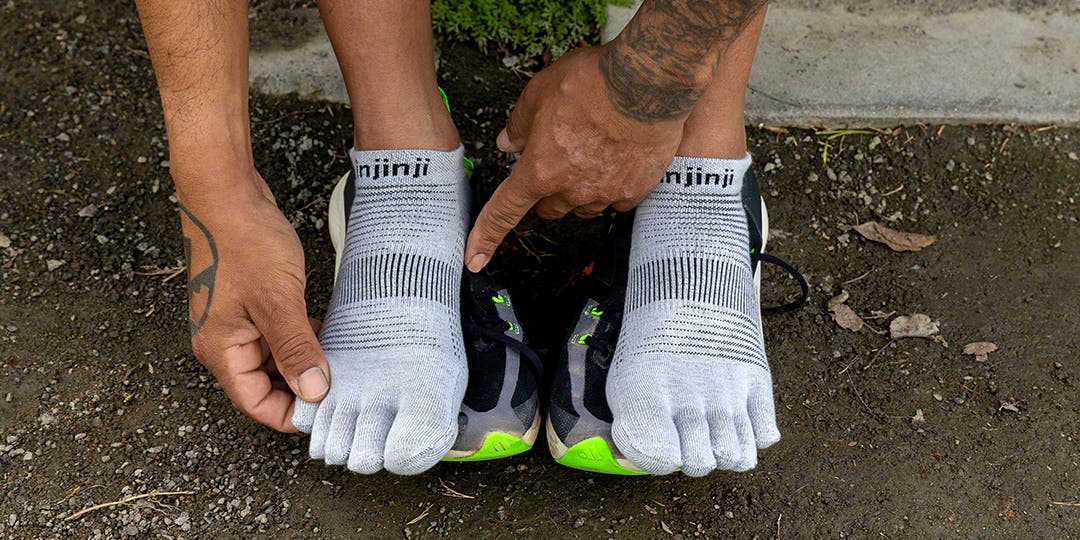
(501, 218)
(577, 198)
(294, 351)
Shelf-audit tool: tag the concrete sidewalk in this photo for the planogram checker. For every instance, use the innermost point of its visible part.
(879, 65)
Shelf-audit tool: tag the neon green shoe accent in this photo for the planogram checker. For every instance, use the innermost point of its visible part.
(596, 312)
(594, 455)
(581, 339)
(496, 445)
(498, 299)
(469, 165)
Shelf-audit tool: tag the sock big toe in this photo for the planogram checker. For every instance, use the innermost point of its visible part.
(421, 435)
(644, 432)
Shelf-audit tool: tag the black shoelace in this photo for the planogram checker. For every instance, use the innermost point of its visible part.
(804, 288)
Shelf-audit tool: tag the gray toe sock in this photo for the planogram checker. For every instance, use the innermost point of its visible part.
(392, 334)
(689, 386)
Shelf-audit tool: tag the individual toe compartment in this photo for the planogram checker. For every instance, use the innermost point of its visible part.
(725, 440)
(303, 416)
(422, 433)
(320, 429)
(762, 411)
(644, 432)
(747, 448)
(695, 443)
(339, 439)
(369, 442)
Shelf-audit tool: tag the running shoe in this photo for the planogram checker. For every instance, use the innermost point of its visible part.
(579, 419)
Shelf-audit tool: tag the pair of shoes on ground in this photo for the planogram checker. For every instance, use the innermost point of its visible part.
(500, 413)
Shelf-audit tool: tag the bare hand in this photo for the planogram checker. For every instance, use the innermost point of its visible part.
(579, 154)
(246, 301)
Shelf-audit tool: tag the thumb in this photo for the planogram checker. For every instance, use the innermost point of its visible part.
(297, 354)
(497, 218)
(518, 125)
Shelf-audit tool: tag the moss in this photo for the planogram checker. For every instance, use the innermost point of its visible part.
(524, 27)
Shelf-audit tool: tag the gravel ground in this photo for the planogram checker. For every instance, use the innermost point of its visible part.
(101, 400)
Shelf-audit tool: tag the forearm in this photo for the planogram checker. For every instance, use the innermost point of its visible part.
(199, 49)
(663, 61)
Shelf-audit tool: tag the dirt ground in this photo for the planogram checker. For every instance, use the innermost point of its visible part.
(101, 399)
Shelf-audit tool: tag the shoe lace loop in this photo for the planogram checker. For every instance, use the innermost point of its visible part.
(804, 288)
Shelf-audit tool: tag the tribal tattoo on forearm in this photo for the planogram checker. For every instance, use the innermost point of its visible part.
(661, 64)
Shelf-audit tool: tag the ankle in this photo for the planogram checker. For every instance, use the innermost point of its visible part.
(424, 124)
(723, 140)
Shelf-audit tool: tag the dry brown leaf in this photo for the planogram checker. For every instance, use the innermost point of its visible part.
(842, 314)
(847, 318)
(980, 350)
(916, 325)
(896, 240)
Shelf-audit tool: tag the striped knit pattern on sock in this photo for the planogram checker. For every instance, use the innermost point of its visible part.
(689, 382)
(392, 334)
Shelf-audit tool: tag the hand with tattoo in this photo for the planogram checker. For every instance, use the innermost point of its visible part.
(598, 127)
(249, 323)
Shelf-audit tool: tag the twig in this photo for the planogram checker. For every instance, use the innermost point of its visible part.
(1063, 503)
(126, 500)
(137, 52)
(868, 409)
(422, 515)
(853, 280)
(451, 492)
(155, 271)
(778, 518)
(893, 192)
(877, 354)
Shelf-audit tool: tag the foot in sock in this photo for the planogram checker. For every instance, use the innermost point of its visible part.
(392, 335)
(690, 386)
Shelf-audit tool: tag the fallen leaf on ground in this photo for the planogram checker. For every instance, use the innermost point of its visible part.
(896, 240)
(916, 325)
(4, 241)
(1009, 513)
(980, 349)
(918, 420)
(1012, 404)
(844, 316)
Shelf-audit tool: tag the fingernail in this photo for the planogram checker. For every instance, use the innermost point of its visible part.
(477, 262)
(503, 142)
(312, 384)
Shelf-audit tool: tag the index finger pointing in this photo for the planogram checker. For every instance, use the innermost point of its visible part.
(503, 211)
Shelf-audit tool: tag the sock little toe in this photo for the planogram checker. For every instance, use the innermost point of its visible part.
(394, 314)
(691, 335)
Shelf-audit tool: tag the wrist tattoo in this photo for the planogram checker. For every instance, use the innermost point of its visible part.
(200, 283)
(658, 69)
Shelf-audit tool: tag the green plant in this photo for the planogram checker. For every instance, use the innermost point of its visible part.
(525, 27)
